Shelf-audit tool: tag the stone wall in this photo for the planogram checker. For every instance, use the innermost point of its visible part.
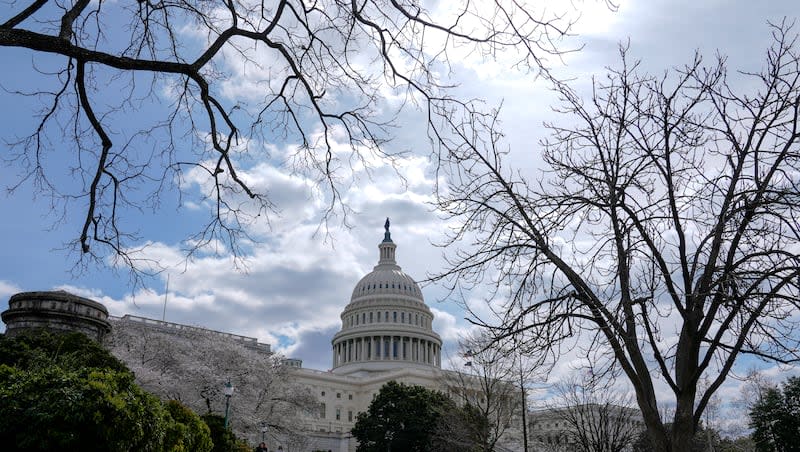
(55, 311)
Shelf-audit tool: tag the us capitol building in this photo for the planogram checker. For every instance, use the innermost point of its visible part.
(386, 335)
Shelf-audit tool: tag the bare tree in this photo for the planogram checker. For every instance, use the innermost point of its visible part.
(661, 245)
(489, 386)
(594, 417)
(192, 365)
(141, 93)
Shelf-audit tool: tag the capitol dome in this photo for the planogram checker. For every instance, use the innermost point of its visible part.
(387, 324)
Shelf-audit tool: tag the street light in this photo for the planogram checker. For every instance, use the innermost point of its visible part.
(264, 430)
(228, 390)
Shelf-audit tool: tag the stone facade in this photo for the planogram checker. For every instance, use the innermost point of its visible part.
(177, 328)
(56, 311)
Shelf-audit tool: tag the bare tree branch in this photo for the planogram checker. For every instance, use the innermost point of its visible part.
(663, 242)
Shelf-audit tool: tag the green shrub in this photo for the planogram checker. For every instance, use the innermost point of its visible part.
(65, 392)
(186, 432)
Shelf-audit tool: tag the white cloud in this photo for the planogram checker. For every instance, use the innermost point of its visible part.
(7, 288)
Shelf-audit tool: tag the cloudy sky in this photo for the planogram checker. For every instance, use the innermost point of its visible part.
(297, 279)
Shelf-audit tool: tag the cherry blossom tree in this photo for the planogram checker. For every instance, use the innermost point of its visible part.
(191, 365)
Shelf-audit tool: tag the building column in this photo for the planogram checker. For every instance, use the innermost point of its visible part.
(427, 352)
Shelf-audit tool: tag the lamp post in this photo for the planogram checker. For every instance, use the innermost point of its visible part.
(264, 430)
(228, 390)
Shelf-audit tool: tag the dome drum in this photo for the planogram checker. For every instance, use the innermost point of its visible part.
(382, 348)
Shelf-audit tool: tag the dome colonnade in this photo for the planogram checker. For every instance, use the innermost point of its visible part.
(386, 322)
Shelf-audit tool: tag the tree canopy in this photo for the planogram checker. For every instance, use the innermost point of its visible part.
(192, 365)
(775, 418)
(65, 392)
(401, 418)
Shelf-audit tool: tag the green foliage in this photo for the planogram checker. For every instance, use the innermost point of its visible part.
(224, 440)
(65, 392)
(775, 418)
(52, 407)
(186, 432)
(401, 418)
(70, 350)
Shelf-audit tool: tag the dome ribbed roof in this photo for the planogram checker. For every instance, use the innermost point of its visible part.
(386, 281)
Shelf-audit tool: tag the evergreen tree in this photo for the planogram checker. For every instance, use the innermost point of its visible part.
(401, 418)
(775, 418)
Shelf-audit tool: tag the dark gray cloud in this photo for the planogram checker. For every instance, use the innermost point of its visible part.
(315, 348)
(405, 211)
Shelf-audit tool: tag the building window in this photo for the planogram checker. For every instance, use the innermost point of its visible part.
(350, 396)
(363, 317)
(370, 317)
(338, 395)
(349, 416)
(323, 393)
(379, 317)
(322, 411)
(338, 414)
(394, 317)
(402, 317)
(386, 316)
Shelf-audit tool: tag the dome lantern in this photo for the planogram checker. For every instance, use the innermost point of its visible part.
(387, 248)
